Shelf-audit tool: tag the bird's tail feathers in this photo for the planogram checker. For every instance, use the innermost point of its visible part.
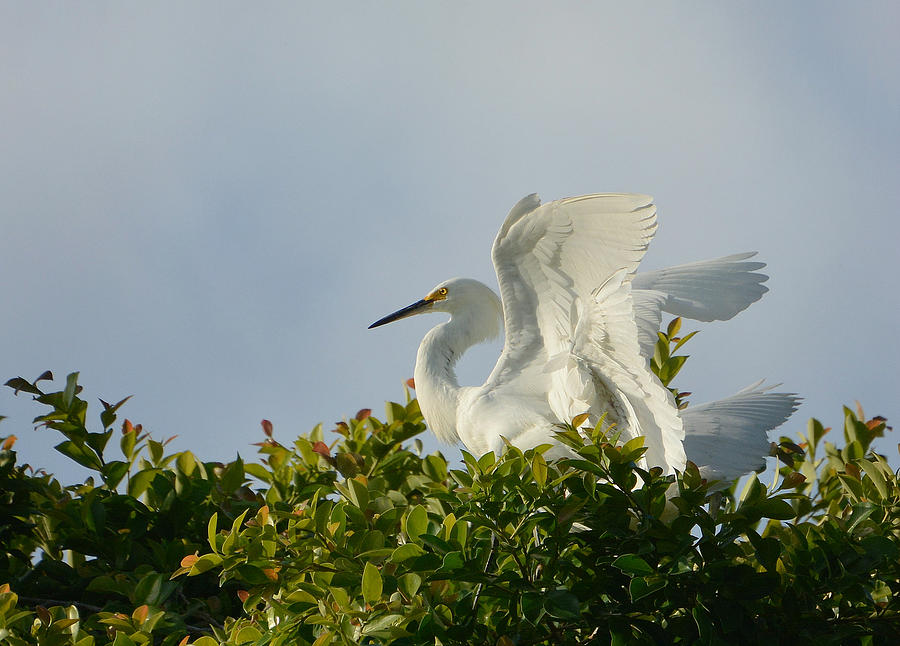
(728, 438)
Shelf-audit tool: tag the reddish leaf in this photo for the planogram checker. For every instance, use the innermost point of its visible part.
(44, 615)
(127, 427)
(189, 560)
(322, 449)
(243, 595)
(267, 427)
(794, 479)
(184, 641)
(411, 383)
(140, 613)
(363, 413)
(8, 442)
(578, 420)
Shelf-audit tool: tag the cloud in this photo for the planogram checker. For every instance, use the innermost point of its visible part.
(206, 205)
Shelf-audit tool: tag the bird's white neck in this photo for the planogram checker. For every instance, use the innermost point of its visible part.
(437, 388)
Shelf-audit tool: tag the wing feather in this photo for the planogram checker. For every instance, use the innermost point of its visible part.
(727, 438)
(709, 290)
(564, 270)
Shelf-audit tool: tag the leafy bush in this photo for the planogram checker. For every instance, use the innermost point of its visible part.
(354, 537)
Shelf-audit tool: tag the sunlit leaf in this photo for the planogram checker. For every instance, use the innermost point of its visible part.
(632, 564)
(371, 583)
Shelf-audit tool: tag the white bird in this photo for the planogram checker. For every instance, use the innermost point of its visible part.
(580, 326)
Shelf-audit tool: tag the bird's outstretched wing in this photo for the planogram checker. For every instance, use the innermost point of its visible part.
(709, 290)
(564, 270)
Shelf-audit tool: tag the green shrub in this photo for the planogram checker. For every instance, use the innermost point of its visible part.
(354, 537)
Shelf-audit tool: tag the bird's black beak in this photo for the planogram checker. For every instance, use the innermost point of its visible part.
(409, 310)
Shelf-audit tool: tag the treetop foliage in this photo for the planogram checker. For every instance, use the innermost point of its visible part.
(353, 536)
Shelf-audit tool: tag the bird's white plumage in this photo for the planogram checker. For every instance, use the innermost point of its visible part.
(723, 437)
(580, 326)
(709, 290)
(564, 270)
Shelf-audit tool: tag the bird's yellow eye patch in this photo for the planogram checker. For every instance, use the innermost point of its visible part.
(437, 295)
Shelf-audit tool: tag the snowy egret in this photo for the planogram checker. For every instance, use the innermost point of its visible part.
(580, 326)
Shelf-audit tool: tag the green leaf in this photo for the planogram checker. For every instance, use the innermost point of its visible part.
(249, 573)
(97, 441)
(359, 493)
(767, 551)
(381, 624)
(439, 544)
(233, 476)
(670, 368)
(874, 472)
(408, 584)
(861, 511)
(124, 640)
(156, 450)
(641, 587)
(435, 468)
(539, 469)
(208, 561)
(246, 635)
(259, 472)
(186, 462)
(816, 431)
(881, 548)
(23, 385)
(661, 350)
(139, 482)
(452, 561)
(703, 621)
(532, 607)
(406, 552)
(673, 327)
(633, 449)
(113, 472)
(752, 492)
(395, 412)
(371, 584)
(775, 508)
(562, 604)
(416, 522)
(684, 339)
(80, 453)
(212, 530)
(127, 443)
(632, 564)
(69, 392)
(486, 462)
(148, 589)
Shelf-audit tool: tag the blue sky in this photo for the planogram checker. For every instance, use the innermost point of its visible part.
(204, 205)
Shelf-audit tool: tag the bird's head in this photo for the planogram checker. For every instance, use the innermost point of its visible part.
(457, 297)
